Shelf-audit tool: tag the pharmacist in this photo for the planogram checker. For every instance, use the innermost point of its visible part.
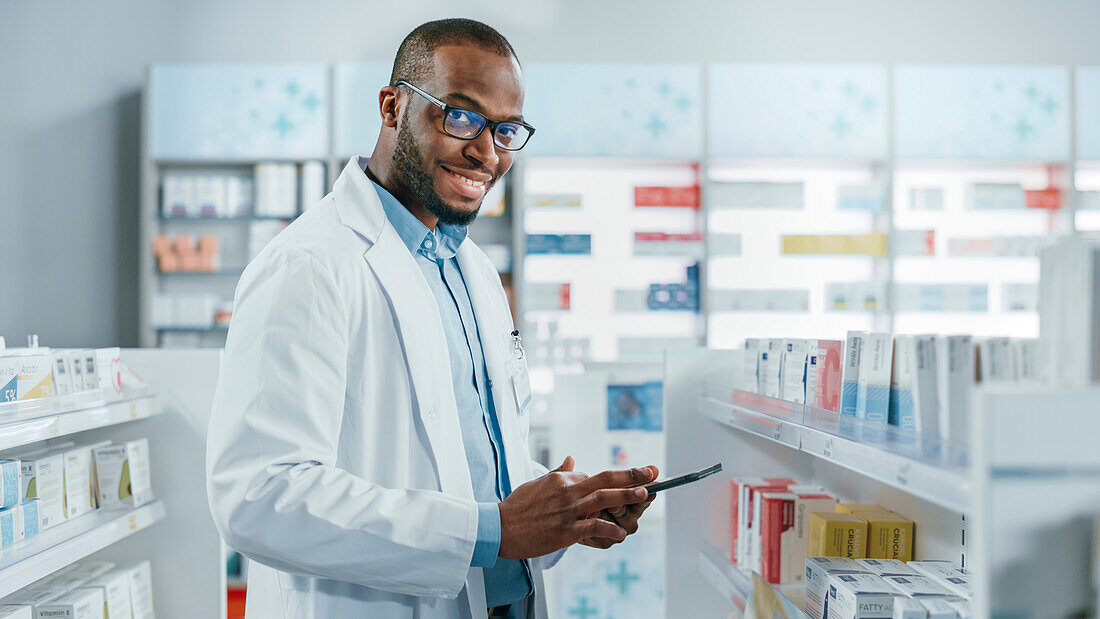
(368, 439)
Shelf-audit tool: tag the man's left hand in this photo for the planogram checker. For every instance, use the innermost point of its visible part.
(626, 516)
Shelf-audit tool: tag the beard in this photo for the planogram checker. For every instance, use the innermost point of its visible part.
(408, 161)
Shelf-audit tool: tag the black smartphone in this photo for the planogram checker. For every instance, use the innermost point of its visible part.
(665, 484)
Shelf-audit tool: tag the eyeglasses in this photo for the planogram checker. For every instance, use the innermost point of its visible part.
(467, 125)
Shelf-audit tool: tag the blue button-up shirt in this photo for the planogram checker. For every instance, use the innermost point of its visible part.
(506, 581)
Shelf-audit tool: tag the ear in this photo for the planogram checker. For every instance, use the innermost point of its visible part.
(387, 106)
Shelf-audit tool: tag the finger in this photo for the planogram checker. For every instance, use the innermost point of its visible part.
(566, 465)
(598, 527)
(608, 498)
(617, 479)
(598, 542)
(620, 511)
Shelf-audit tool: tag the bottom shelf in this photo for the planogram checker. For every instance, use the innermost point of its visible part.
(742, 587)
(71, 541)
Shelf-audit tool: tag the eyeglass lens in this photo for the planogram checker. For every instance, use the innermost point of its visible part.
(467, 125)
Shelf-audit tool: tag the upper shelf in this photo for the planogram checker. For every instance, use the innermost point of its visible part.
(23, 423)
(932, 470)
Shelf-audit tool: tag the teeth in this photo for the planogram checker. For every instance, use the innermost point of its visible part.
(469, 181)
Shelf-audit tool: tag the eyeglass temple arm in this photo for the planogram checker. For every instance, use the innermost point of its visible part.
(441, 105)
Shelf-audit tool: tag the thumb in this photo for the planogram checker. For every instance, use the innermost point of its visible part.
(566, 465)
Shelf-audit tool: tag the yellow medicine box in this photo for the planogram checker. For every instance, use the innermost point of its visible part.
(889, 536)
(852, 508)
(837, 535)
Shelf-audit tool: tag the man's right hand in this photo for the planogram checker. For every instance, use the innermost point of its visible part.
(553, 511)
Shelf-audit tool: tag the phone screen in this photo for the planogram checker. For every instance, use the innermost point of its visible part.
(665, 484)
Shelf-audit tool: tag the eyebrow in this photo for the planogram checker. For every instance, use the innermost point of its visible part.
(474, 103)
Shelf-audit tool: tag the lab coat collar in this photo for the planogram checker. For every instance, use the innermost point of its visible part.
(357, 201)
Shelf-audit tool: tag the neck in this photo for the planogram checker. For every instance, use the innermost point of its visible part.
(383, 175)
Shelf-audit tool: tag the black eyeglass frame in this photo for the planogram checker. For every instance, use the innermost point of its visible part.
(488, 122)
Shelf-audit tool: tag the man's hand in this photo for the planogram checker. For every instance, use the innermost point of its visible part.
(554, 511)
(626, 516)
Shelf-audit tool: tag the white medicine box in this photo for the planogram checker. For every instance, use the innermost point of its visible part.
(123, 474)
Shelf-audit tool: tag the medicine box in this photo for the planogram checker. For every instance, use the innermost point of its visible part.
(11, 526)
(851, 508)
(917, 586)
(889, 536)
(887, 567)
(9, 378)
(76, 366)
(31, 519)
(849, 393)
(746, 511)
(123, 475)
(783, 543)
(818, 571)
(16, 611)
(860, 596)
(108, 363)
(937, 569)
(793, 370)
(837, 535)
(115, 586)
(43, 479)
(35, 376)
(78, 481)
(34, 597)
(141, 589)
(905, 608)
(62, 377)
(824, 375)
(938, 608)
(11, 490)
(91, 370)
(875, 363)
(76, 604)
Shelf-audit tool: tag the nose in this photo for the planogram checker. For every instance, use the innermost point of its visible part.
(483, 150)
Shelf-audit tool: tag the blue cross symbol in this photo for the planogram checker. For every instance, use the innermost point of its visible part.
(1023, 129)
(850, 90)
(683, 102)
(869, 104)
(664, 88)
(258, 84)
(282, 125)
(655, 125)
(291, 88)
(311, 102)
(623, 578)
(631, 83)
(1050, 105)
(841, 126)
(1031, 91)
(583, 610)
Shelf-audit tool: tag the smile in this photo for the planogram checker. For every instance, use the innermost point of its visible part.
(469, 181)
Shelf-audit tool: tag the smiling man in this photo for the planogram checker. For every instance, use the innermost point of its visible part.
(368, 443)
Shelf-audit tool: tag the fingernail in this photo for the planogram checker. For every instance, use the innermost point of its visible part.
(640, 493)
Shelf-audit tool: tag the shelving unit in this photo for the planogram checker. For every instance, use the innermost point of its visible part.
(34, 421)
(71, 541)
(1022, 476)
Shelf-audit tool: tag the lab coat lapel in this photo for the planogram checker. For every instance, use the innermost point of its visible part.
(493, 326)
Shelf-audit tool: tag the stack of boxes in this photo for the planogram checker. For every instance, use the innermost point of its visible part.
(98, 590)
(181, 253)
(839, 588)
(34, 372)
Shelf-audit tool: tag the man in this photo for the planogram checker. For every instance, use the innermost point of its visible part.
(368, 443)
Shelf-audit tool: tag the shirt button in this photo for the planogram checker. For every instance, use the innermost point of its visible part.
(431, 414)
(428, 243)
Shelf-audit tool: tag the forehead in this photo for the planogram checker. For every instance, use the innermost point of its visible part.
(492, 80)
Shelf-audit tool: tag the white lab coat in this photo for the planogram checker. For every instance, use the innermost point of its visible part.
(334, 454)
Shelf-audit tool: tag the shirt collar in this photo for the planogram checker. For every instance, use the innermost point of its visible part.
(444, 243)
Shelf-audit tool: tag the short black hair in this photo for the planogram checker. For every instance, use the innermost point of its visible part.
(416, 55)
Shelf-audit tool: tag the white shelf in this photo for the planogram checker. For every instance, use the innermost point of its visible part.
(22, 423)
(933, 471)
(737, 585)
(71, 541)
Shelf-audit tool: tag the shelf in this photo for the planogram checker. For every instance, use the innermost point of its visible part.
(214, 329)
(64, 415)
(739, 586)
(164, 217)
(931, 470)
(219, 273)
(71, 541)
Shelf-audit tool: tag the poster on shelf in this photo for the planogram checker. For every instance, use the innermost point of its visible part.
(982, 112)
(797, 110)
(615, 109)
(635, 407)
(239, 111)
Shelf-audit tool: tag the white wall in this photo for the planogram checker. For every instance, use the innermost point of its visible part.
(71, 76)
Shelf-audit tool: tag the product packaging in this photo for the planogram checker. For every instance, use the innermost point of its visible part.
(750, 380)
(76, 604)
(43, 479)
(9, 378)
(34, 597)
(31, 519)
(178, 197)
(210, 194)
(91, 376)
(11, 487)
(76, 367)
(746, 510)
(851, 508)
(818, 571)
(108, 363)
(34, 377)
(913, 389)
(824, 375)
(771, 365)
(889, 536)
(141, 589)
(115, 586)
(12, 529)
(860, 596)
(837, 535)
(78, 481)
(16, 611)
(937, 569)
(793, 378)
(123, 475)
(917, 586)
(961, 608)
(955, 366)
(876, 358)
(904, 608)
(939, 608)
(62, 377)
(783, 542)
(887, 567)
(849, 398)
